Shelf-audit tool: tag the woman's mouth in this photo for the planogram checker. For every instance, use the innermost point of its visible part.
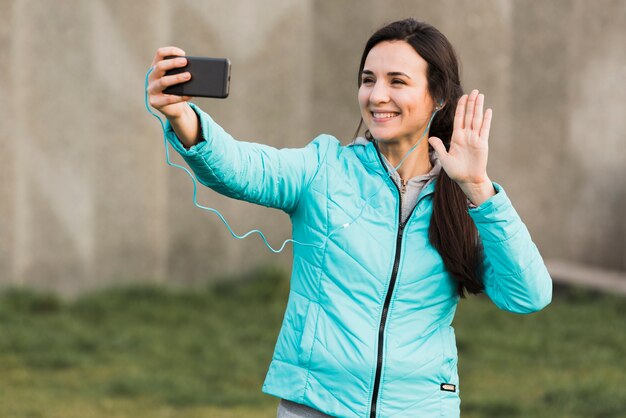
(383, 116)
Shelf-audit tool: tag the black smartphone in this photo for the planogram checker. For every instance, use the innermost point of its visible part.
(210, 77)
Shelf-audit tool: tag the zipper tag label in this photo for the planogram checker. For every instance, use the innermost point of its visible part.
(448, 387)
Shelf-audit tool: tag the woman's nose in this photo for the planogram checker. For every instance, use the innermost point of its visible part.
(379, 93)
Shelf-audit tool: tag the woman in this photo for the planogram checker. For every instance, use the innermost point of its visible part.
(399, 231)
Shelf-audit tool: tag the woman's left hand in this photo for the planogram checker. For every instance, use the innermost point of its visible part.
(466, 160)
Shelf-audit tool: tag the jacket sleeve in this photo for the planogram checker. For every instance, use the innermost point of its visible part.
(253, 172)
(515, 276)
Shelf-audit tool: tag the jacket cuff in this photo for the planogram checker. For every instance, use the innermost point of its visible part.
(496, 219)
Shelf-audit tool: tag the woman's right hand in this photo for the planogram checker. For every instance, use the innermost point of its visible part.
(172, 106)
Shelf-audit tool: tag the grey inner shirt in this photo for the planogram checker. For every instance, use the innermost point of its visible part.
(412, 188)
(410, 193)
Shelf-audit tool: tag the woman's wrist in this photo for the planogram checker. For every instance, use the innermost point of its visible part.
(187, 127)
(478, 193)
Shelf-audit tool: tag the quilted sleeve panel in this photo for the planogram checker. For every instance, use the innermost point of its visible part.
(515, 276)
(253, 172)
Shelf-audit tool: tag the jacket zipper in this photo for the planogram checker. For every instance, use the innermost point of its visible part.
(383, 319)
(392, 283)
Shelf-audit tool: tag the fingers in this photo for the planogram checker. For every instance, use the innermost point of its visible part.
(158, 81)
(469, 112)
(439, 147)
(158, 85)
(460, 113)
(166, 51)
(163, 100)
(477, 122)
(162, 66)
(484, 130)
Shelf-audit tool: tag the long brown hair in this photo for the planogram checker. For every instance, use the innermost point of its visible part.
(451, 232)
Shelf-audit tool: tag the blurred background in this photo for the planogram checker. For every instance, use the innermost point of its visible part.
(101, 248)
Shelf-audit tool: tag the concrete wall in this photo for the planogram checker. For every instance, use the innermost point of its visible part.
(86, 198)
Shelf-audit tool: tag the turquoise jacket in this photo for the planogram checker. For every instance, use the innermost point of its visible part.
(366, 332)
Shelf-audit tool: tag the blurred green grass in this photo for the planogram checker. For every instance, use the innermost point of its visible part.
(153, 351)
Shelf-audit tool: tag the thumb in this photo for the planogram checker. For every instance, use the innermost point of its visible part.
(437, 144)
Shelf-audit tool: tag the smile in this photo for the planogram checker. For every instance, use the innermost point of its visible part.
(381, 117)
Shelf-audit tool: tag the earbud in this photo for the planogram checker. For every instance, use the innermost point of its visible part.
(439, 105)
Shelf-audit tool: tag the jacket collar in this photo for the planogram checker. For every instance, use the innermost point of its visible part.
(373, 160)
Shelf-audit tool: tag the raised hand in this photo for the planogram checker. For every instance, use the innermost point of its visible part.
(466, 160)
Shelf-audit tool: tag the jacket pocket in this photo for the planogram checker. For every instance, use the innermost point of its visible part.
(308, 334)
(449, 379)
(449, 355)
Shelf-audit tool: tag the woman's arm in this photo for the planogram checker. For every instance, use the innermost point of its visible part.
(248, 171)
(515, 276)
(253, 172)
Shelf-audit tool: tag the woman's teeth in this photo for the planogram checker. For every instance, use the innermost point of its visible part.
(384, 115)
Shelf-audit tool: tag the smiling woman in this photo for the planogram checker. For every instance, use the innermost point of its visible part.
(395, 105)
(397, 230)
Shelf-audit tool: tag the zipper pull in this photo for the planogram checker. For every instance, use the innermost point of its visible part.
(403, 186)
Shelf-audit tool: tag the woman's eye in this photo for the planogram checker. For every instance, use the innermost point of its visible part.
(367, 80)
(397, 81)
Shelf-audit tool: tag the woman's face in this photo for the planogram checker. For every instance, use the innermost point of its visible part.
(394, 99)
